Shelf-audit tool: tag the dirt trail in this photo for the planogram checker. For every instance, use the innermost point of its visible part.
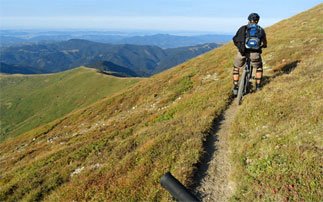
(213, 183)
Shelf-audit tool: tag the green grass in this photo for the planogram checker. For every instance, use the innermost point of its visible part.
(27, 102)
(118, 148)
(277, 134)
(277, 139)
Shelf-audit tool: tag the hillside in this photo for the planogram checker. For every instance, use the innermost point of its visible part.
(61, 56)
(27, 102)
(276, 137)
(118, 148)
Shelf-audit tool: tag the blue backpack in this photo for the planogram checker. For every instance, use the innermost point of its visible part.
(253, 37)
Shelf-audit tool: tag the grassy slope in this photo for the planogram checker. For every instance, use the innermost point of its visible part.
(123, 144)
(30, 101)
(277, 135)
(118, 148)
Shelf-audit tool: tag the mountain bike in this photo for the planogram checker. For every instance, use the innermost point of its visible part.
(245, 83)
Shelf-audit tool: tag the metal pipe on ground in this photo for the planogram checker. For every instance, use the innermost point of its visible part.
(176, 189)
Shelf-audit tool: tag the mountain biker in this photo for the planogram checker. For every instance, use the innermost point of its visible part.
(244, 51)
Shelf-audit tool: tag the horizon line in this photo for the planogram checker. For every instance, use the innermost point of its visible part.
(160, 23)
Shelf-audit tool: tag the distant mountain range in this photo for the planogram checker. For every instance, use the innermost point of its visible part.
(172, 41)
(13, 69)
(59, 56)
(9, 38)
(110, 68)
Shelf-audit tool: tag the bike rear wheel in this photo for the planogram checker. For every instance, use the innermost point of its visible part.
(241, 86)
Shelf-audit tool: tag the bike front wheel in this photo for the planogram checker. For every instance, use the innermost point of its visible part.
(241, 87)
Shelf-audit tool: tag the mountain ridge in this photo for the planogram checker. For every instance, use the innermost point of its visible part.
(110, 68)
(144, 60)
(164, 41)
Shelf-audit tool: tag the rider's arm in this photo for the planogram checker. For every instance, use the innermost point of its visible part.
(239, 39)
(240, 36)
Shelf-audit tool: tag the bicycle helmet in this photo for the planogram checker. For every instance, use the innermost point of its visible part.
(253, 17)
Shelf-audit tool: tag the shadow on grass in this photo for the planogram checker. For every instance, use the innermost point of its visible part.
(286, 69)
(289, 67)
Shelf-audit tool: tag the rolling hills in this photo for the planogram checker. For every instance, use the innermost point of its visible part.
(13, 69)
(118, 148)
(113, 69)
(27, 102)
(61, 56)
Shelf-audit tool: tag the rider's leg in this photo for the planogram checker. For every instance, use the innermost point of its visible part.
(239, 61)
(235, 76)
(259, 73)
(256, 62)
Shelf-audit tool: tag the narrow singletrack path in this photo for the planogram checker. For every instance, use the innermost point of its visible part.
(212, 176)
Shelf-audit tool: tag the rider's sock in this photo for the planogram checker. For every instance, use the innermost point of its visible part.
(235, 88)
(235, 84)
(258, 86)
(258, 82)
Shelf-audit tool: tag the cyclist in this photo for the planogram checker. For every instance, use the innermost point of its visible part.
(254, 53)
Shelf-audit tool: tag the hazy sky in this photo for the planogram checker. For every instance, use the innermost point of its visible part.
(164, 15)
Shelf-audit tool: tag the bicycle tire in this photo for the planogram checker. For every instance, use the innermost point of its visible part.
(241, 86)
